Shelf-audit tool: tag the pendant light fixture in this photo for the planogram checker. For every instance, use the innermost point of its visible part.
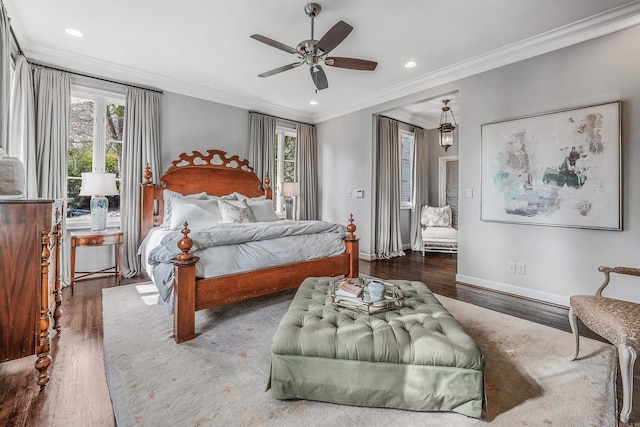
(446, 127)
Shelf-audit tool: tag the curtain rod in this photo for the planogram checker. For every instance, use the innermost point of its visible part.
(282, 118)
(400, 121)
(92, 77)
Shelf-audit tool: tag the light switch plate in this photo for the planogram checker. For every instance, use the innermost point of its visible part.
(469, 193)
(359, 194)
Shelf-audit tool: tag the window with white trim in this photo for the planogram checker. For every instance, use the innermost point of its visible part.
(285, 161)
(94, 145)
(406, 168)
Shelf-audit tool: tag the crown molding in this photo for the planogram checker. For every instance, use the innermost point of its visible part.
(99, 68)
(608, 22)
(616, 19)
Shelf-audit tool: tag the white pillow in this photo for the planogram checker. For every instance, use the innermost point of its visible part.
(231, 196)
(235, 214)
(240, 196)
(436, 217)
(262, 210)
(167, 195)
(198, 213)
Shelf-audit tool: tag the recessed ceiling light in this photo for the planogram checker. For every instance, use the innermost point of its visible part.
(411, 63)
(313, 102)
(73, 32)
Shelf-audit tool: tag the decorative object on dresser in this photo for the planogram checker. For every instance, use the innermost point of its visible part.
(30, 293)
(98, 185)
(218, 175)
(91, 238)
(12, 176)
(290, 190)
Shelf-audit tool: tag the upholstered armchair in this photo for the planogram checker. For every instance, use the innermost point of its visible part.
(438, 234)
(616, 320)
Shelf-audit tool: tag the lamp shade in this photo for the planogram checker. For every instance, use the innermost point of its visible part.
(98, 184)
(290, 189)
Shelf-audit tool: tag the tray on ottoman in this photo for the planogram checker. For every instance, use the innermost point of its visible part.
(417, 357)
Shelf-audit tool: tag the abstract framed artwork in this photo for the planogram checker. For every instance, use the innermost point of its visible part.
(557, 169)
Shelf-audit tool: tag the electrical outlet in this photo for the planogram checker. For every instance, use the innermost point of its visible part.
(511, 267)
(521, 268)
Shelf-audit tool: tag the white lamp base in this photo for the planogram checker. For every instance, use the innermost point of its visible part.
(99, 208)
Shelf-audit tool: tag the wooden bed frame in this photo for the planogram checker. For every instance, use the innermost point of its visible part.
(217, 174)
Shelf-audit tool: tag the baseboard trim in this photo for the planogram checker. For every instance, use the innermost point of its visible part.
(517, 291)
(367, 257)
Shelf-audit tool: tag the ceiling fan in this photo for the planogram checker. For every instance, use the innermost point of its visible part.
(315, 52)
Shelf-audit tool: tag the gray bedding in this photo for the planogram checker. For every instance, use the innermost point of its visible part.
(233, 248)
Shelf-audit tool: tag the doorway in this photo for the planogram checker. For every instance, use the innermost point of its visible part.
(448, 185)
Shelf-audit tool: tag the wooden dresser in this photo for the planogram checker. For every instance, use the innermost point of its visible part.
(30, 241)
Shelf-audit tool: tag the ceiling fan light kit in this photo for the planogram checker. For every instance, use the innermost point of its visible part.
(315, 53)
(446, 128)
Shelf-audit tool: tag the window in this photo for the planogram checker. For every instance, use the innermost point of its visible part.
(94, 145)
(406, 168)
(285, 161)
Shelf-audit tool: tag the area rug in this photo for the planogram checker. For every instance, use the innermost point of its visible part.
(219, 378)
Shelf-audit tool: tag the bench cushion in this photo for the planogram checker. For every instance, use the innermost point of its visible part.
(616, 320)
(418, 357)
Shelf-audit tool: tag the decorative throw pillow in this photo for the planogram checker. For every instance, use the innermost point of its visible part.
(198, 213)
(262, 210)
(167, 195)
(235, 214)
(436, 217)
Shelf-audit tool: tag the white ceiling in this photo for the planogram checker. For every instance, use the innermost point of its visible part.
(203, 49)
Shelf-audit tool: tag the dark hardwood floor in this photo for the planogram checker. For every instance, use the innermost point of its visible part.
(77, 393)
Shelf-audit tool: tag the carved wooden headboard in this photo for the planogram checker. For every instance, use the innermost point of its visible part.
(214, 173)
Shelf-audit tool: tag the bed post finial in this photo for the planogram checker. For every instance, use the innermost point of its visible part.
(185, 244)
(147, 175)
(351, 228)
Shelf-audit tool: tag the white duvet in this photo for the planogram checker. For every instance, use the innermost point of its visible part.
(233, 248)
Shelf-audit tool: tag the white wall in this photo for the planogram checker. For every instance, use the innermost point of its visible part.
(190, 124)
(559, 261)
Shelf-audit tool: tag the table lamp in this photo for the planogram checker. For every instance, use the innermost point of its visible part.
(289, 191)
(98, 185)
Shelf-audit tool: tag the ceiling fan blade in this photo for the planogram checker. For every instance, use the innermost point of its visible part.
(334, 36)
(319, 77)
(279, 69)
(274, 43)
(351, 63)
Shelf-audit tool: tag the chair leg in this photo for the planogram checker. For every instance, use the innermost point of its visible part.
(573, 321)
(627, 357)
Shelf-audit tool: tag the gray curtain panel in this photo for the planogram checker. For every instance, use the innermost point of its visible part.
(307, 171)
(262, 145)
(52, 95)
(388, 241)
(53, 105)
(141, 144)
(420, 185)
(5, 77)
(22, 124)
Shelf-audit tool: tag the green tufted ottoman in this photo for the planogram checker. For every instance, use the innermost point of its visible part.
(417, 358)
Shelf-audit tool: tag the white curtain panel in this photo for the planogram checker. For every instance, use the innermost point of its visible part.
(53, 103)
(141, 145)
(388, 182)
(262, 145)
(5, 77)
(307, 171)
(420, 195)
(22, 124)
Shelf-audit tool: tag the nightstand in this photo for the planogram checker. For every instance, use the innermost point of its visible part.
(91, 238)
